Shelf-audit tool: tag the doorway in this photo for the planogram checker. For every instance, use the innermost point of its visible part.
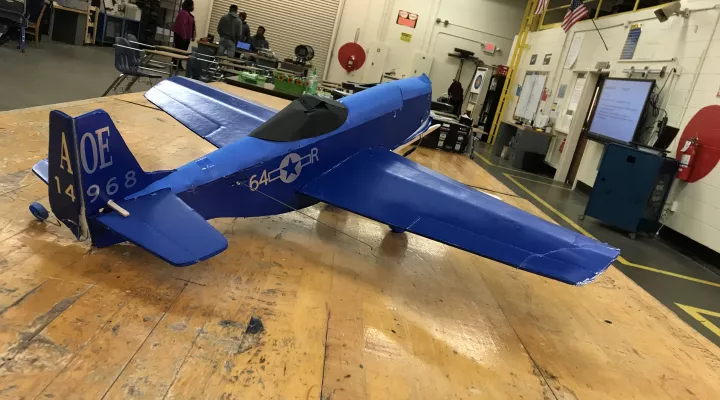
(582, 141)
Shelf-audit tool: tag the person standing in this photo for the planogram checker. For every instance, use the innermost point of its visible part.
(230, 30)
(258, 41)
(245, 32)
(184, 28)
(456, 95)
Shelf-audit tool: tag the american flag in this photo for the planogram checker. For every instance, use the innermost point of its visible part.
(577, 12)
(541, 6)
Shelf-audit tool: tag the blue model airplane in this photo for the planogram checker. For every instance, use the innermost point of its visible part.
(268, 162)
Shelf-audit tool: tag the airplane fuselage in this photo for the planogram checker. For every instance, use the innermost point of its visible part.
(243, 176)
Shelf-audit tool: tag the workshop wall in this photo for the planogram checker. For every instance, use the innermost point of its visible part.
(202, 17)
(691, 46)
(471, 23)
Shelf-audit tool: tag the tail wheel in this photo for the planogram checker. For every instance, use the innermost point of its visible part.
(38, 211)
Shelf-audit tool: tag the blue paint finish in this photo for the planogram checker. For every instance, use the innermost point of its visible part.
(409, 196)
(108, 169)
(368, 105)
(90, 147)
(167, 227)
(394, 124)
(39, 211)
(217, 116)
(101, 235)
(395, 229)
(351, 167)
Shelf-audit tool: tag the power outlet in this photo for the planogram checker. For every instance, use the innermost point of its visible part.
(674, 207)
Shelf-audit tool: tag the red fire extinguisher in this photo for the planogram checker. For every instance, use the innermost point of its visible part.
(562, 145)
(687, 158)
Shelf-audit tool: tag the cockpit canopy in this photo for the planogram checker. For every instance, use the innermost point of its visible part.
(306, 117)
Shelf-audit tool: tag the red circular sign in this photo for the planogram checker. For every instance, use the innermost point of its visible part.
(705, 126)
(351, 56)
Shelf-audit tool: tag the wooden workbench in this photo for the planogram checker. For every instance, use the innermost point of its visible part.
(349, 310)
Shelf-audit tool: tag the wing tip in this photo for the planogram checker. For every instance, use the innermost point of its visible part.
(573, 265)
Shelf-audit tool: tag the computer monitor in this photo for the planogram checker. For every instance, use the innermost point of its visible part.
(243, 46)
(666, 137)
(618, 114)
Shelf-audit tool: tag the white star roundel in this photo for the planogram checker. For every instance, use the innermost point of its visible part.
(290, 167)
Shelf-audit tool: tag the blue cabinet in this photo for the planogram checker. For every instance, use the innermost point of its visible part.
(111, 26)
(631, 188)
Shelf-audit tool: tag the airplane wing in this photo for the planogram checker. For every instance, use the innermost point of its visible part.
(164, 225)
(401, 193)
(215, 115)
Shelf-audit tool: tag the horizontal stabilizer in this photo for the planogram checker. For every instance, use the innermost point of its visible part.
(41, 169)
(164, 225)
(216, 116)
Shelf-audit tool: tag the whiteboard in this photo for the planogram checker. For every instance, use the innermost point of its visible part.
(535, 95)
(525, 92)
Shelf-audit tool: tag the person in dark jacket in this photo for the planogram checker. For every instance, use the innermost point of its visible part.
(230, 29)
(245, 30)
(184, 28)
(258, 41)
(455, 94)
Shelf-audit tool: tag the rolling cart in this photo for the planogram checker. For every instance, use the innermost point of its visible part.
(631, 188)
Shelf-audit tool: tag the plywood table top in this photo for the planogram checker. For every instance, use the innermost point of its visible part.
(350, 310)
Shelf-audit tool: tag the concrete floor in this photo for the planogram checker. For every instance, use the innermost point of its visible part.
(54, 73)
(644, 250)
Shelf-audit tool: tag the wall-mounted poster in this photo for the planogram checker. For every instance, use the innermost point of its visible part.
(574, 51)
(631, 43)
(478, 80)
(561, 91)
(407, 19)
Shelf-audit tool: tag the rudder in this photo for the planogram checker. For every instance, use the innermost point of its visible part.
(64, 173)
(108, 170)
(89, 165)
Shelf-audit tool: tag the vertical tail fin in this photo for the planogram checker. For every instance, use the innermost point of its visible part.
(64, 188)
(108, 170)
(89, 165)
